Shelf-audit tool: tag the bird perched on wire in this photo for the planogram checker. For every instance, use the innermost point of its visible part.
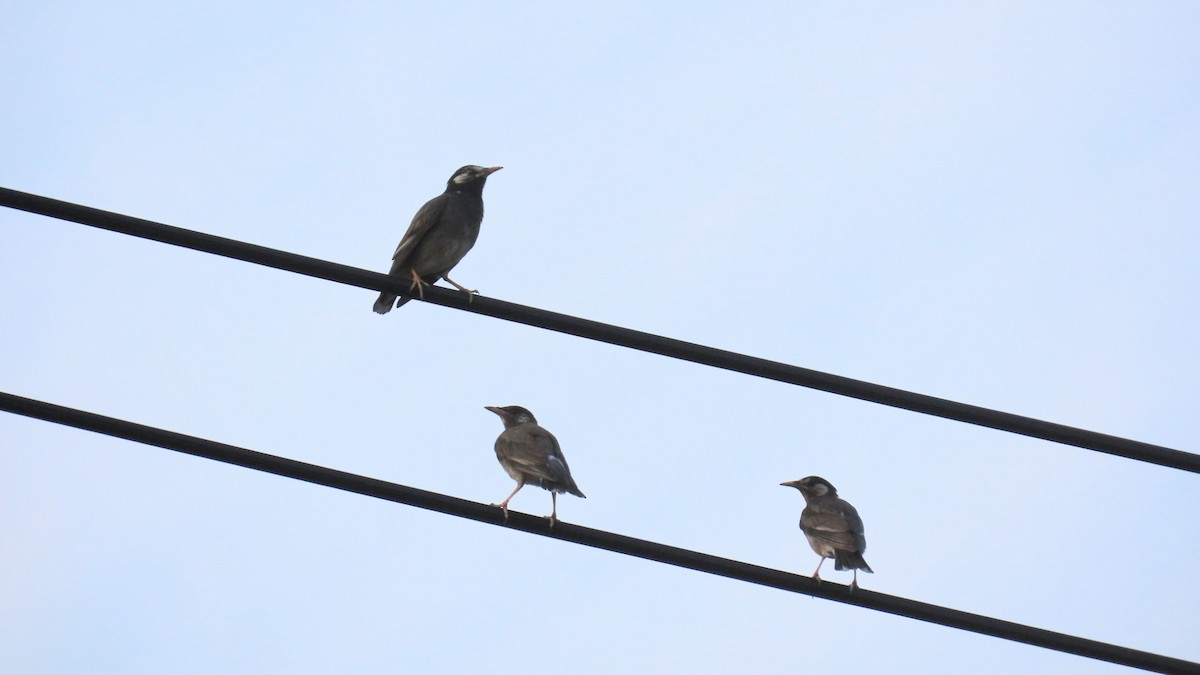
(530, 454)
(441, 233)
(832, 527)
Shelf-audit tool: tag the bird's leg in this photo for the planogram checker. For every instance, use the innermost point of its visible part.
(471, 292)
(816, 575)
(504, 504)
(854, 583)
(418, 283)
(553, 517)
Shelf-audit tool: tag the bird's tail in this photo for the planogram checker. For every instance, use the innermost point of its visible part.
(386, 302)
(849, 560)
(569, 486)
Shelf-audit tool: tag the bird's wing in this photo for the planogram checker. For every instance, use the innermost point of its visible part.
(855, 524)
(535, 452)
(851, 515)
(426, 216)
(830, 528)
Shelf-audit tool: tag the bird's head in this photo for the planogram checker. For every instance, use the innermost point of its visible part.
(512, 415)
(813, 486)
(471, 176)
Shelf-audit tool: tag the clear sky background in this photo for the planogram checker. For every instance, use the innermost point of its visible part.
(995, 203)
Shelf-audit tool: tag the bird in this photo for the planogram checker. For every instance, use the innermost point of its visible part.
(441, 233)
(832, 527)
(530, 454)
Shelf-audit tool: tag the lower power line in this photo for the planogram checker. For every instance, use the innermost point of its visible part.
(608, 541)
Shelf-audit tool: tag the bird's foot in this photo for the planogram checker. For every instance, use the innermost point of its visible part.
(471, 292)
(419, 284)
(504, 508)
(553, 519)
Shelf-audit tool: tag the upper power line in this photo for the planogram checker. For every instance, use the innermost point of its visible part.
(594, 330)
(601, 539)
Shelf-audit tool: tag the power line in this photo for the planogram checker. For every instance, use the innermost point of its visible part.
(593, 330)
(586, 536)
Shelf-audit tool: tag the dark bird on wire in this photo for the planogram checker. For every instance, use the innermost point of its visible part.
(440, 235)
(832, 527)
(530, 454)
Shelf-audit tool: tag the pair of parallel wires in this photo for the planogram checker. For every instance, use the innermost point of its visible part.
(624, 337)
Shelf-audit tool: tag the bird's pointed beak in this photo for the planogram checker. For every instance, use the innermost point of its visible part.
(494, 409)
(790, 483)
(491, 170)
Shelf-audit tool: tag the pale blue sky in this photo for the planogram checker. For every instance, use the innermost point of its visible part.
(988, 202)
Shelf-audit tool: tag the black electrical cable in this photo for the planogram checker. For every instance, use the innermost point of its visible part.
(578, 534)
(687, 351)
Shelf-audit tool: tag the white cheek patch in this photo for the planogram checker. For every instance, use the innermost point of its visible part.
(467, 176)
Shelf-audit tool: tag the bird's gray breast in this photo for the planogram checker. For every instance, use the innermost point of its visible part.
(446, 244)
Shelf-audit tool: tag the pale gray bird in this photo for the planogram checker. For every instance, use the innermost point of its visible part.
(441, 233)
(530, 454)
(832, 527)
